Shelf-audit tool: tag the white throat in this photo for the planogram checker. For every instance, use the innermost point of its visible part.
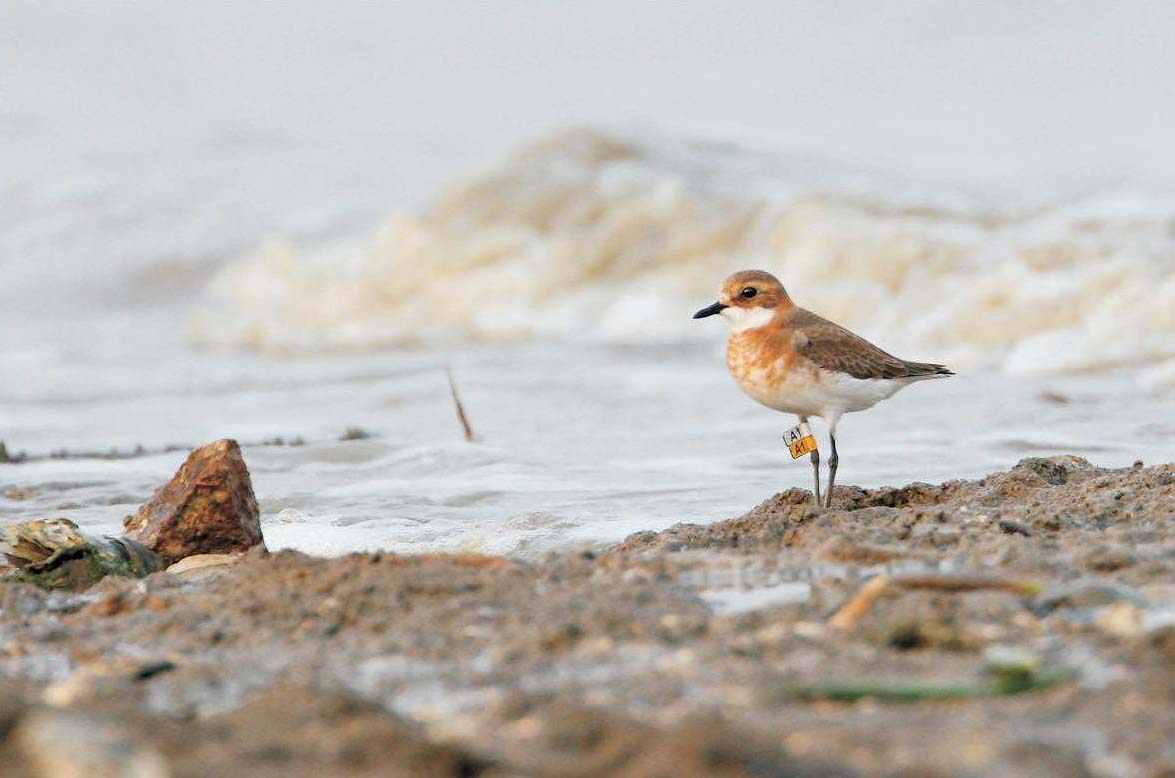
(742, 319)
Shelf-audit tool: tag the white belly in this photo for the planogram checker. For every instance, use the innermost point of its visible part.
(824, 394)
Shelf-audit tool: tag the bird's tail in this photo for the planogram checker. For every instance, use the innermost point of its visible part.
(922, 370)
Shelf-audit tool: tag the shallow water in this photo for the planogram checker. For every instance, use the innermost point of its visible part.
(573, 444)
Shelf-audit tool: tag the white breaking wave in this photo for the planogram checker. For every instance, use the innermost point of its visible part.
(584, 235)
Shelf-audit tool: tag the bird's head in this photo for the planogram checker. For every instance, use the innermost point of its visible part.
(748, 299)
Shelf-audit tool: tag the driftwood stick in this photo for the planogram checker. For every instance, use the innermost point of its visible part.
(860, 603)
(852, 611)
(460, 408)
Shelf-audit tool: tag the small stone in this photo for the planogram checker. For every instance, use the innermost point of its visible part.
(207, 507)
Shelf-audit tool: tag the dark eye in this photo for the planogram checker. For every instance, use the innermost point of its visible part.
(748, 292)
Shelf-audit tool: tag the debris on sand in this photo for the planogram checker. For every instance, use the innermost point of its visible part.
(55, 554)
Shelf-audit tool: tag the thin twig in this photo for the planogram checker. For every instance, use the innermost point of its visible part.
(460, 408)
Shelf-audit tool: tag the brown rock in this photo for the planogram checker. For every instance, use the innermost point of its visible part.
(208, 507)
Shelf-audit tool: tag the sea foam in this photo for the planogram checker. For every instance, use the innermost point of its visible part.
(587, 235)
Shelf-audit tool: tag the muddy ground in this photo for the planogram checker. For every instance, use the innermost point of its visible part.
(702, 650)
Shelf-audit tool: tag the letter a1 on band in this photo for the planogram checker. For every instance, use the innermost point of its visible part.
(800, 440)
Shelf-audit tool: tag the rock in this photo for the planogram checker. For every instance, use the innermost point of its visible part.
(73, 744)
(55, 554)
(208, 507)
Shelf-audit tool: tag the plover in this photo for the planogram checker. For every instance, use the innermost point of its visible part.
(794, 361)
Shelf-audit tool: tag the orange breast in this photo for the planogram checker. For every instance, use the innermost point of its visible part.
(768, 369)
(766, 352)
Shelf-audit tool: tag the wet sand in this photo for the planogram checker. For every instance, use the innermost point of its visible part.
(723, 649)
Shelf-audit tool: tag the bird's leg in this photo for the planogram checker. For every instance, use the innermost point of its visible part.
(832, 463)
(816, 471)
(815, 465)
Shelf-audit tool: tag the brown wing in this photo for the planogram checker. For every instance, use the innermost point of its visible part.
(834, 348)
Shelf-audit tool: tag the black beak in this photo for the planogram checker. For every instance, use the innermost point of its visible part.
(710, 310)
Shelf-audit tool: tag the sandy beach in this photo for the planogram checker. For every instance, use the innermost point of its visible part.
(1024, 626)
